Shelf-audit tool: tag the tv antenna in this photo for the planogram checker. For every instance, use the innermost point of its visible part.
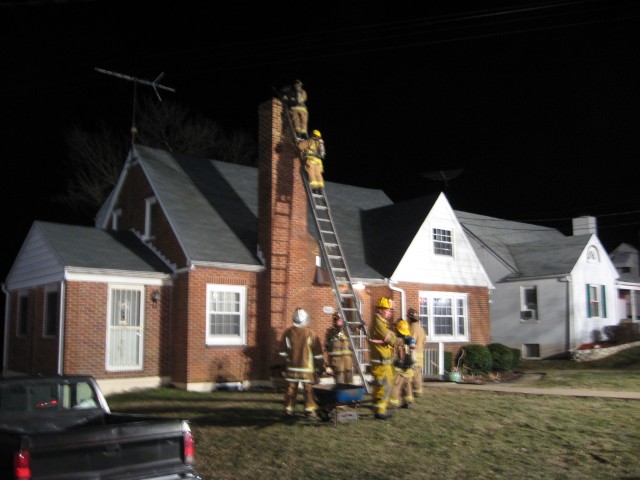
(442, 175)
(154, 84)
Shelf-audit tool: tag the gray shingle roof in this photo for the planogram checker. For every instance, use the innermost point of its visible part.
(498, 234)
(99, 249)
(212, 220)
(213, 207)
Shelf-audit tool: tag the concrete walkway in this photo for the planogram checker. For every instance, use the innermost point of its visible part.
(526, 385)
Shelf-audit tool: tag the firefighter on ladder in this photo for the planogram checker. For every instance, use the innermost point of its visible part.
(382, 340)
(314, 152)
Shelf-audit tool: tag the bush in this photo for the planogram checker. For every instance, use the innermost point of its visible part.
(476, 360)
(501, 356)
(448, 361)
(517, 355)
(624, 332)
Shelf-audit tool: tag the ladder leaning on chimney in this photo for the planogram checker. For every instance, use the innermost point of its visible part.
(338, 272)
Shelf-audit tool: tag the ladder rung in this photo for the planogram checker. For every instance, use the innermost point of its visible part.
(321, 207)
(324, 220)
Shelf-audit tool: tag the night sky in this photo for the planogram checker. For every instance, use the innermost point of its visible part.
(536, 102)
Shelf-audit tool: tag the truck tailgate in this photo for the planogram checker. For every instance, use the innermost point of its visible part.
(127, 447)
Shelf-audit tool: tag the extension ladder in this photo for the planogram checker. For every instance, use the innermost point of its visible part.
(338, 272)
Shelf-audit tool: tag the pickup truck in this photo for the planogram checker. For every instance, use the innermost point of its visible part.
(60, 427)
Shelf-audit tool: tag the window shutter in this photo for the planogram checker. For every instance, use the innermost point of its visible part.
(588, 302)
(604, 302)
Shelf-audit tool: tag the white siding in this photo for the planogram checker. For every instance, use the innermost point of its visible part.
(421, 265)
(35, 264)
(604, 273)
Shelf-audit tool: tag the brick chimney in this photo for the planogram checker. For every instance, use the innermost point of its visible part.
(289, 251)
(584, 226)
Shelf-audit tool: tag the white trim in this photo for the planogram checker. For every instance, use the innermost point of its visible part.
(117, 276)
(230, 339)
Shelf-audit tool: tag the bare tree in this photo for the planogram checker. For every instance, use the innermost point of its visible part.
(96, 158)
(94, 163)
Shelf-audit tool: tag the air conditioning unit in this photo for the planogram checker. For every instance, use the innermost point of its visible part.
(528, 314)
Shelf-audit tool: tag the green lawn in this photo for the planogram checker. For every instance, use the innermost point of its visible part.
(446, 434)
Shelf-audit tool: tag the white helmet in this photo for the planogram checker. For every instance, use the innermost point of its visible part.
(300, 318)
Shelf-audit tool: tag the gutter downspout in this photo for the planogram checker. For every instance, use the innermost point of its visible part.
(570, 326)
(5, 341)
(402, 296)
(61, 325)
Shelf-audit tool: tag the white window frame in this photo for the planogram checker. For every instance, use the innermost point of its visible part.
(596, 299)
(150, 206)
(528, 308)
(442, 238)
(235, 314)
(126, 330)
(458, 306)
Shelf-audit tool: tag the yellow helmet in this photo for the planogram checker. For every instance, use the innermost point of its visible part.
(385, 303)
(316, 133)
(403, 327)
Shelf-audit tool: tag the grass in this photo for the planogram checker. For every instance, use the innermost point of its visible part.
(446, 434)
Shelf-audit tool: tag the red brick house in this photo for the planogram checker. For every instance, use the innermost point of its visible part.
(195, 266)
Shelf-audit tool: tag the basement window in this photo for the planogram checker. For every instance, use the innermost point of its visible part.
(531, 350)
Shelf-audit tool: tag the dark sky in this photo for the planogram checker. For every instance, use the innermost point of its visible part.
(537, 101)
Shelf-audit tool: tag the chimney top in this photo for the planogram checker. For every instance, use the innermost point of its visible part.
(584, 226)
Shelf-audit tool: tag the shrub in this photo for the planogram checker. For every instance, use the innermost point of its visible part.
(501, 356)
(517, 355)
(448, 361)
(477, 359)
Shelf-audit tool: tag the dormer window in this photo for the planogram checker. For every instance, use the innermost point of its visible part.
(151, 207)
(442, 244)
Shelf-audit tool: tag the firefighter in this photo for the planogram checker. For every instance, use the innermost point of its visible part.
(339, 351)
(420, 336)
(382, 340)
(296, 99)
(314, 152)
(402, 390)
(304, 360)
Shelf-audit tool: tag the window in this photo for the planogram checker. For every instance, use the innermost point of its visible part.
(596, 301)
(51, 310)
(226, 315)
(150, 214)
(531, 350)
(592, 255)
(445, 316)
(424, 314)
(23, 319)
(115, 219)
(125, 331)
(442, 242)
(529, 303)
